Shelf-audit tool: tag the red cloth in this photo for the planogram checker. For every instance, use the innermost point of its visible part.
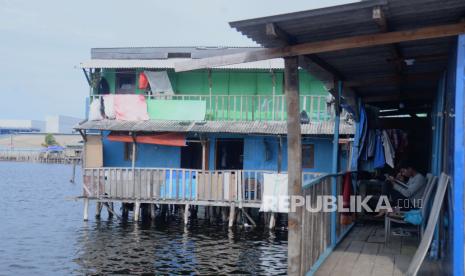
(143, 81)
(346, 217)
(165, 139)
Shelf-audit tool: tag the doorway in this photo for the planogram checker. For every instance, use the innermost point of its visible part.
(191, 156)
(229, 154)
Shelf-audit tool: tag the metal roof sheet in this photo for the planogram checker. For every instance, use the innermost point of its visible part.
(277, 63)
(357, 19)
(239, 127)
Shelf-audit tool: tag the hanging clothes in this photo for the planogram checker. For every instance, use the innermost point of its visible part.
(371, 140)
(389, 152)
(363, 129)
(380, 160)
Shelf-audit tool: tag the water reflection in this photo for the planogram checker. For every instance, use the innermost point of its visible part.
(42, 233)
(131, 248)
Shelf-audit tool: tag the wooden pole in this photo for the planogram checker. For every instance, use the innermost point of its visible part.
(294, 156)
(272, 221)
(186, 214)
(98, 209)
(232, 215)
(136, 210)
(86, 209)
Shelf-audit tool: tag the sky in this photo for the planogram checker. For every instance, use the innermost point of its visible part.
(43, 42)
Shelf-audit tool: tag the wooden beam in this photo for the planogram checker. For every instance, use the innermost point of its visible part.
(281, 37)
(325, 46)
(380, 20)
(294, 155)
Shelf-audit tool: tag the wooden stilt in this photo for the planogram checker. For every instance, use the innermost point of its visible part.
(224, 214)
(86, 209)
(73, 175)
(98, 209)
(152, 211)
(232, 215)
(110, 209)
(186, 214)
(248, 217)
(272, 221)
(136, 211)
(125, 211)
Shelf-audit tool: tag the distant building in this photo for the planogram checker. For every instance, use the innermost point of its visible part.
(60, 124)
(14, 126)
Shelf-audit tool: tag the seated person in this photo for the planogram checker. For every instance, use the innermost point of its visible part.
(409, 191)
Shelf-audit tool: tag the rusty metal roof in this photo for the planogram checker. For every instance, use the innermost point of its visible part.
(242, 127)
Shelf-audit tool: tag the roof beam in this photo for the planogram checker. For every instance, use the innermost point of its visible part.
(380, 20)
(281, 37)
(325, 46)
(313, 64)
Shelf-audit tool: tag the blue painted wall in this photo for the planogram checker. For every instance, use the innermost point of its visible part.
(146, 156)
(254, 153)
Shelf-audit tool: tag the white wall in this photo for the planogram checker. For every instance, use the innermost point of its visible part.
(60, 124)
(23, 124)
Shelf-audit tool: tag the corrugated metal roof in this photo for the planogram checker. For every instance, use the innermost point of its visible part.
(165, 52)
(242, 127)
(277, 63)
(357, 19)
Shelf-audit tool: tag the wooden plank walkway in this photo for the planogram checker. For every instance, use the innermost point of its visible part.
(363, 252)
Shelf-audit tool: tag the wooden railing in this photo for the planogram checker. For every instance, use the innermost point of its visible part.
(242, 186)
(252, 107)
(321, 230)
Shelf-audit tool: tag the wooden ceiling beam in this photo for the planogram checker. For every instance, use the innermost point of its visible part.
(360, 41)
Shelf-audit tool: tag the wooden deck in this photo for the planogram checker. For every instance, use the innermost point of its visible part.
(363, 252)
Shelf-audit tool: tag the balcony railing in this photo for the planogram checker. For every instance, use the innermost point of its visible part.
(252, 107)
(181, 185)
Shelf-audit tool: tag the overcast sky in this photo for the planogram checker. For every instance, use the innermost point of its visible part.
(42, 41)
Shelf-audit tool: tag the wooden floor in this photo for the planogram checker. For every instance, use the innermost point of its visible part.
(363, 252)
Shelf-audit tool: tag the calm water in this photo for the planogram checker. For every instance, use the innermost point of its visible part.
(42, 233)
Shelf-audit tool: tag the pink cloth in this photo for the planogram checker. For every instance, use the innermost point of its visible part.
(130, 108)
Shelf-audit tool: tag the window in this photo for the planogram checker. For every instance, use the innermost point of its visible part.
(125, 82)
(128, 151)
(308, 156)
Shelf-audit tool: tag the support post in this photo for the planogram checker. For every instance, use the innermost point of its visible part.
(294, 155)
(136, 210)
(86, 209)
(335, 161)
(73, 175)
(186, 214)
(232, 215)
(272, 221)
(152, 211)
(98, 209)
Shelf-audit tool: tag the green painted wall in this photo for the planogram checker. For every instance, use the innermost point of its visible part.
(228, 82)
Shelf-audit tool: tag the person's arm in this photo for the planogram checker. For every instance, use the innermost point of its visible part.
(414, 184)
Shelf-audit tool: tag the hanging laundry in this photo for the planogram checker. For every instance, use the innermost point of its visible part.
(362, 131)
(109, 106)
(130, 108)
(380, 160)
(370, 144)
(95, 113)
(143, 81)
(389, 152)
